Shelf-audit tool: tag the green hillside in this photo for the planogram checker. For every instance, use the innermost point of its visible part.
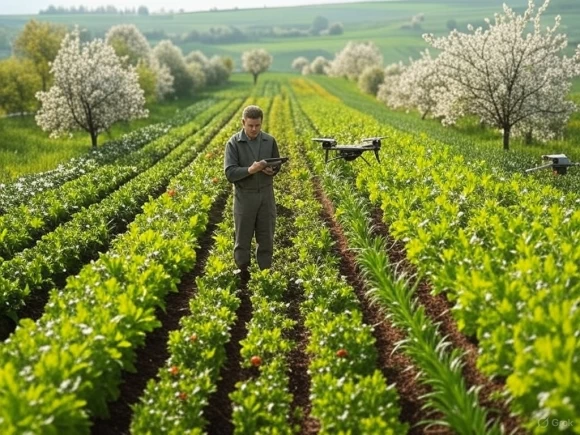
(387, 23)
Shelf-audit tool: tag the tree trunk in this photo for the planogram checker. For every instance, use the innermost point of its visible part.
(528, 137)
(94, 137)
(506, 138)
(255, 78)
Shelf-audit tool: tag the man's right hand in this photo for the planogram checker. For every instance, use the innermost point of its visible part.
(257, 166)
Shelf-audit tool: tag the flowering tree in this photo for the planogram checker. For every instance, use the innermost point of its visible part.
(389, 91)
(91, 90)
(256, 62)
(414, 86)
(130, 44)
(299, 63)
(171, 57)
(214, 71)
(510, 74)
(352, 60)
(128, 41)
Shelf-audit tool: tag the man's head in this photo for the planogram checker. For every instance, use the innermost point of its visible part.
(252, 121)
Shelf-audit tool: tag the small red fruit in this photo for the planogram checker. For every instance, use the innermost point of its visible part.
(193, 337)
(171, 192)
(181, 395)
(173, 370)
(256, 361)
(341, 353)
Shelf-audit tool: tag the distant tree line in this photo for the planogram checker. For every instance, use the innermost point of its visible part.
(107, 10)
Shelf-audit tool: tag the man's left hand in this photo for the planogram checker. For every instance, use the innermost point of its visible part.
(268, 170)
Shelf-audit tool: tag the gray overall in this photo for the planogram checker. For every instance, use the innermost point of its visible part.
(254, 204)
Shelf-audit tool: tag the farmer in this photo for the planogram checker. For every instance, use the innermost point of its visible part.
(254, 205)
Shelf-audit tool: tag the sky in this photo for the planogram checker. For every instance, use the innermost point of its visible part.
(12, 7)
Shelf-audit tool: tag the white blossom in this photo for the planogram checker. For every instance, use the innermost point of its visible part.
(418, 85)
(299, 63)
(128, 41)
(512, 75)
(256, 62)
(389, 91)
(171, 56)
(91, 90)
(352, 60)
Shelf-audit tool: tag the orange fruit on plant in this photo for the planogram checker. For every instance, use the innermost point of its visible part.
(171, 192)
(256, 361)
(173, 370)
(341, 353)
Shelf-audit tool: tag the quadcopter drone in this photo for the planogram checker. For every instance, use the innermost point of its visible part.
(350, 152)
(558, 162)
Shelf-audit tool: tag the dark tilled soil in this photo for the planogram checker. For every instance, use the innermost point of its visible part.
(395, 366)
(299, 361)
(152, 356)
(219, 409)
(438, 309)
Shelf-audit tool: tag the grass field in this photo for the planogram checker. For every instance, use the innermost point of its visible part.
(25, 148)
(380, 22)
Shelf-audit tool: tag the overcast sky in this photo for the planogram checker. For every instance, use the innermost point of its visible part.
(10, 7)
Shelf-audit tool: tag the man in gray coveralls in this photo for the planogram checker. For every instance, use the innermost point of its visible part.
(254, 205)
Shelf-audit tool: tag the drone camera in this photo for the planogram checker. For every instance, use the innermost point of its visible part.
(558, 162)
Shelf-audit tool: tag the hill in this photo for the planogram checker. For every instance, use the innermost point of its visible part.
(387, 23)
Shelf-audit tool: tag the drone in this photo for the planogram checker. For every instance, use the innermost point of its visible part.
(350, 152)
(558, 162)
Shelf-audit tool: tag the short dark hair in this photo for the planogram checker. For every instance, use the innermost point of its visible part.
(252, 112)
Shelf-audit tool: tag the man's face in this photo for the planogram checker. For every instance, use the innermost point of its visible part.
(252, 127)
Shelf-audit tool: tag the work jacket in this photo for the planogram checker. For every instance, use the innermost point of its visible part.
(241, 152)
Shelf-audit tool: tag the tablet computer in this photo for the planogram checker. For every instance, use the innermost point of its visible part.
(275, 161)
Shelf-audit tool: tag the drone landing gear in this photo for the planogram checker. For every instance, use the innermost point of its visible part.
(350, 156)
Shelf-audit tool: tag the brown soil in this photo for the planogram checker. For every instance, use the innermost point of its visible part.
(299, 361)
(395, 366)
(152, 356)
(438, 309)
(219, 409)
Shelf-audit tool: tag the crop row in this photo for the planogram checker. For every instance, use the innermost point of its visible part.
(22, 225)
(27, 187)
(481, 144)
(348, 392)
(440, 368)
(174, 402)
(66, 249)
(58, 372)
(499, 246)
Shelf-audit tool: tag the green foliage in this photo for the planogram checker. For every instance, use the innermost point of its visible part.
(40, 41)
(18, 86)
(370, 79)
(147, 82)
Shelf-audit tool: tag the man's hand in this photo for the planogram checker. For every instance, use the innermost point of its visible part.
(269, 170)
(257, 167)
